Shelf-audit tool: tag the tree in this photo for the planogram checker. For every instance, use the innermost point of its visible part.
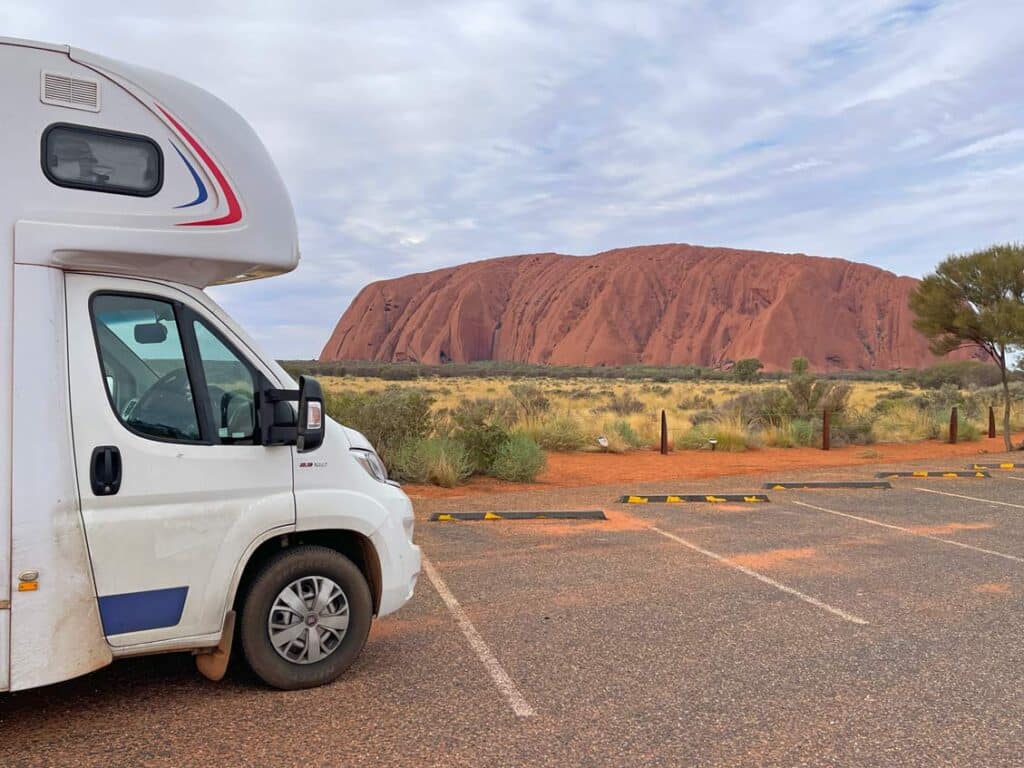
(800, 366)
(976, 300)
(747, 369)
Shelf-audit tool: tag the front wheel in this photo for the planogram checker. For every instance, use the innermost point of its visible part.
(305, 618)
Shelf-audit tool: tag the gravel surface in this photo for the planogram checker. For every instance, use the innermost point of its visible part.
(688, 634)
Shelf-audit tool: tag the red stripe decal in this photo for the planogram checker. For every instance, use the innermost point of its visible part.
(234, 213)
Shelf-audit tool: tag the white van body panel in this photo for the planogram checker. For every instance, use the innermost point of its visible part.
(185, 513)
(56, 633)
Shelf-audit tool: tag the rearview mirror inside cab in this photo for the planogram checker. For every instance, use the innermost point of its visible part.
(150, 333)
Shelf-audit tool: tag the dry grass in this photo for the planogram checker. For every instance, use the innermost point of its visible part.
(587, 402)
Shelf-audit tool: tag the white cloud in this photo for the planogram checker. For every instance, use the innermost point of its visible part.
(417, 135)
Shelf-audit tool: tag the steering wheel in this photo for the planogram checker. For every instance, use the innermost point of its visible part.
(167, 406)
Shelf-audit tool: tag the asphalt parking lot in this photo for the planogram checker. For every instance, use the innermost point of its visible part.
(825, 627)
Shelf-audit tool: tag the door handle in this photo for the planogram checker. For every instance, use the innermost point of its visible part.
(105, 470)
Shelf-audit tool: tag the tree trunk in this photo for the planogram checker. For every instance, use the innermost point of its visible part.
(1006, 403)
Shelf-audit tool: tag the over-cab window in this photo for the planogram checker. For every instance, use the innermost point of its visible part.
(103, 161)
(144, 367)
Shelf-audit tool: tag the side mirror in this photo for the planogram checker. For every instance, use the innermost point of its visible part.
(310, 428)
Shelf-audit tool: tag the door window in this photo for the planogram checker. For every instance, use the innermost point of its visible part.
(144, 366)
(231, 387)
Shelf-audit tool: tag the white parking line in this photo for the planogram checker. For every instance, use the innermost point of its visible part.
(912, 532)
(504, 683)
(763, 579)
(971, 498)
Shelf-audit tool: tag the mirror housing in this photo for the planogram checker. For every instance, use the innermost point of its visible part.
(278, 424)
(311, 428)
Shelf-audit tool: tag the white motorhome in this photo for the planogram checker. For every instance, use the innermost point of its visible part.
(164, 486)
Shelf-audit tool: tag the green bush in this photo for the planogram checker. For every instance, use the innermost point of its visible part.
(748, 369)
(438, 460)
(482, 443)
(562, 433)
(519, 460)
(390, 419)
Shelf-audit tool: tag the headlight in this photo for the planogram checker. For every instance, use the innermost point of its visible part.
(371, 462)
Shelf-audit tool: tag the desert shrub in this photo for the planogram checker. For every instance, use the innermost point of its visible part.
(482, 443)
(437, 460)
(623, 430)
(562, 433)
(968, 431)
(479, 425)
(519, 460)
(702, 417)
(905, 421)
(530, 398)
(747, 370)
(624, 404)
(853, 428)
(731, 433)
(656, 389)
(962, 374)
(792, 433)
(696, 403)
(813, 396)
(772, 406)
(389, 419)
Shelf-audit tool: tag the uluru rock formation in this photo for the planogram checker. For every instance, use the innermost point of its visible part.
(656, 305)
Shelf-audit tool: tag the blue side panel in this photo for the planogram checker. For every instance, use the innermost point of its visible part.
(135, 611)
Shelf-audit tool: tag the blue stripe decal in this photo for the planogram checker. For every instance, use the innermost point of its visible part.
(136, 611)
(201, 194)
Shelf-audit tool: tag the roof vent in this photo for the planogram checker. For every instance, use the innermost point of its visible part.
(68, 91)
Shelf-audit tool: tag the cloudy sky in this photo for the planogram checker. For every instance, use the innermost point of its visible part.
(414, 135)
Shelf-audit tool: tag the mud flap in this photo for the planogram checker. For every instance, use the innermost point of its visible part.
(213, 664)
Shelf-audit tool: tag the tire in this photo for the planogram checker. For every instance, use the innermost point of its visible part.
(304, 661)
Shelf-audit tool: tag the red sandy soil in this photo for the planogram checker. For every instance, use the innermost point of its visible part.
(576, 470)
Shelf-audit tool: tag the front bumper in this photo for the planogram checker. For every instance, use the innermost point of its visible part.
(400, 559)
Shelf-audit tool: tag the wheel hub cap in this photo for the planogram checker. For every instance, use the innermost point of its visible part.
(308, 620)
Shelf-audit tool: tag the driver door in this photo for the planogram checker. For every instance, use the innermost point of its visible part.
(174, 487)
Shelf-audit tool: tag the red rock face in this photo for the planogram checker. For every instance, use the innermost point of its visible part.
(658, 305)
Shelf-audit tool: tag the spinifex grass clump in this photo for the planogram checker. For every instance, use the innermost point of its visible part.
(519, 460)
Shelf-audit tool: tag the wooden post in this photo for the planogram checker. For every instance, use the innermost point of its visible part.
(953, 425)
(826, 431)
(991, 421)
(664, 434)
